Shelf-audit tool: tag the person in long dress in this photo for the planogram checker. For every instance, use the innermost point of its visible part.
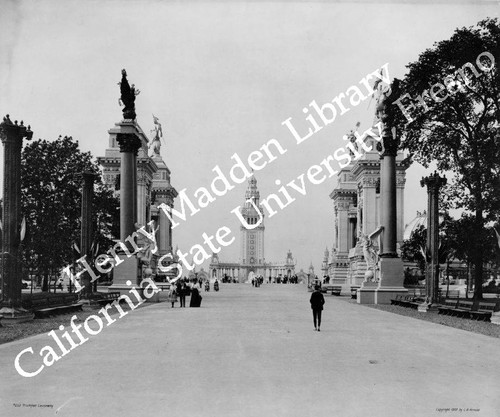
(195, 298)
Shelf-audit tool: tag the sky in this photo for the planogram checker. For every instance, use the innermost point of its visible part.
(221, 77)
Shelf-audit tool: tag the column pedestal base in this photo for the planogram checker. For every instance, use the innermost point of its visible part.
(128, 271)
(427, 307)
(389, 286)
(10, 316)
(495, 318)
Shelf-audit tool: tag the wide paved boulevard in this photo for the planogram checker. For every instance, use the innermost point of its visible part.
(253, 352)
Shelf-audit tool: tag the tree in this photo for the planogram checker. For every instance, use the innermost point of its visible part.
(51, 187)
(461, 237)
(450, 113)
(412, 248)
(415, 248)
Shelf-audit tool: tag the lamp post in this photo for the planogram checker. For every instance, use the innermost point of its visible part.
(433, 182)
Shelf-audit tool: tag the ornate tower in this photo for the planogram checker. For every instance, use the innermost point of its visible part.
(252, 236)
(324, 264)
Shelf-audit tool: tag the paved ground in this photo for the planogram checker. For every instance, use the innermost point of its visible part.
(253, 352)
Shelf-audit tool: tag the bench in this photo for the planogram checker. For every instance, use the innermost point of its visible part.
(463, 309)
(417, 292)
(483, 312)
(44, 307)
(402, 300)
(405, 301)
(416, 302)
(455, 294)
(336, 290)
(449, 304)
(46, 304)
(409, 301)
(104, 298)
(396, 300)
(354, 291)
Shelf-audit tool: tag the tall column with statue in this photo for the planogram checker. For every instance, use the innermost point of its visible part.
(131, 141)
(386, 282)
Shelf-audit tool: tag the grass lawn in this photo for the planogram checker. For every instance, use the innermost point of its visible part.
(486, 328)
(45, 325)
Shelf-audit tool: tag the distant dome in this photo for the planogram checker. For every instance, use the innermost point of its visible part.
(420, 220)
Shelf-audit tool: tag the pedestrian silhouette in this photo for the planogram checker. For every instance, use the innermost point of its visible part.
(317, 300)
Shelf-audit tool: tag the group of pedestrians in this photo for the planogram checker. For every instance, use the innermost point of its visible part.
(293, 279)
(257, 281)
(181, 290)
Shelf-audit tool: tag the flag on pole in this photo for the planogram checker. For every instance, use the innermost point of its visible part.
(23, 228)
(498, 236)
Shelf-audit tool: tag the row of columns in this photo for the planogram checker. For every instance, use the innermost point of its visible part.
(229, 272)
(274, 272)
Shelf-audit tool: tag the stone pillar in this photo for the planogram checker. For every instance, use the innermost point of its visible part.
(128, 270)
(388, 214)
(369, 220)
(343, 223)
(129, 146)
(143, 195)
(86, 226)
(164, 244)
(336, 230)
(433, 182)
(12, 135)
(349, 233)
(400, 197)
(354, 232)
(391, 275)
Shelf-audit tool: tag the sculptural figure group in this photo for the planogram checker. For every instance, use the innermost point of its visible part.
(127, 97)
(371, 253)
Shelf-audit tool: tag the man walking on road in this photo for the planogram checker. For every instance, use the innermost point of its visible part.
(317, 300)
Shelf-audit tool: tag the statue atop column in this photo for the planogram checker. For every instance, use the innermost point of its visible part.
(385, 112)
(127, 97)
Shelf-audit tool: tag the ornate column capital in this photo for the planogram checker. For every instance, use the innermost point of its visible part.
(128, 142)
(11, 132)
(400, 181)
(89, 177)
(433, 182)
(389, 145)
(369, 182)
